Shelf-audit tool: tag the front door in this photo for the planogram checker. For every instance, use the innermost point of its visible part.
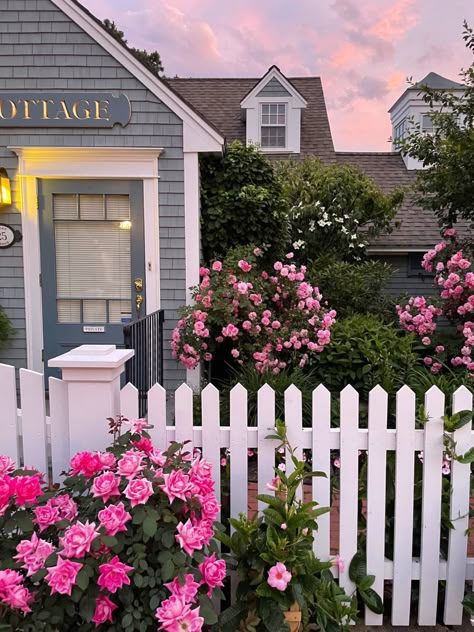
(92, 261)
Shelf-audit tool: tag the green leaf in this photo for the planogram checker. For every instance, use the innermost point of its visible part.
(24, 521)
(206, 610)
(127, 620)
(150, 526)
(357, 568)
(167, 571)
(467, 457)
(109, 540)
(82, 579)
(366, 582)
(372, 600)
(468, 603)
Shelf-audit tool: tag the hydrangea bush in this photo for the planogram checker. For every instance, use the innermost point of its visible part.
(125, 545)
(452, 264)
(273, 319)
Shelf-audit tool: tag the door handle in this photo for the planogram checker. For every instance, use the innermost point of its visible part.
(138, 303)
(138, 283)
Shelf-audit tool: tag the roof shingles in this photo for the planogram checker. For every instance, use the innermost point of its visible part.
(219, 100)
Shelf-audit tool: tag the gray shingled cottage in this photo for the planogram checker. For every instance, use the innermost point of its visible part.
(103, 161)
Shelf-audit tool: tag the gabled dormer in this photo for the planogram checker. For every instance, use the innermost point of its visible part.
(410, 110)
(272, 111)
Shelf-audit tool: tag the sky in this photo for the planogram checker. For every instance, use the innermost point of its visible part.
(363, 50)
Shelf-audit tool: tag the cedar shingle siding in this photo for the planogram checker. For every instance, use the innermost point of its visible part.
(42, 49)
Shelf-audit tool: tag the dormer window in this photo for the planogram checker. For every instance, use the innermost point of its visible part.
(273, 114)
(273, 126)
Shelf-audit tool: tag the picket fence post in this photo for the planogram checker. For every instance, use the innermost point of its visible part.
(92, 374)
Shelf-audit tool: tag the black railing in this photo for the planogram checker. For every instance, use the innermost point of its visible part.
(145, 369)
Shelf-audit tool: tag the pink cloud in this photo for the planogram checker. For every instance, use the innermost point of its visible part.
(396, 21)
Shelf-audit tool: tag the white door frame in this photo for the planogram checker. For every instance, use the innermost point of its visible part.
(81, 163)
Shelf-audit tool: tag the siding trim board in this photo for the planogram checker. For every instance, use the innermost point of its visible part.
(82, 163)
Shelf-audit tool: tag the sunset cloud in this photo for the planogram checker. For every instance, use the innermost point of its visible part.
(362, 49)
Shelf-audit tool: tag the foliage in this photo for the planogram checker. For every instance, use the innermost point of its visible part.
(274, 320)
(334, 209)
(253, 380)
(275, 562)
(452, 262)
(241, 202)
(365, 352)
(128, 527)
(6, 329)
(354, 287)
(446, 185)
(152, 61)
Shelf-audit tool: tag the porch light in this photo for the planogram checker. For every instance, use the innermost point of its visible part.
(5, 189)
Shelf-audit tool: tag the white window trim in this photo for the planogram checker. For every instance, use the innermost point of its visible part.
(81, 163)
(284, 125)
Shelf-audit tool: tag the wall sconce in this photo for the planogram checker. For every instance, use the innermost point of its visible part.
(5, 189)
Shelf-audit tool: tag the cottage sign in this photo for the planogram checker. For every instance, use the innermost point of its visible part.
(63, 109)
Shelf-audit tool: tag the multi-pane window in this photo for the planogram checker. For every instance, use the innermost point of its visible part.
(93, 244)
(399, 131)
(427, 125)
(273, 125)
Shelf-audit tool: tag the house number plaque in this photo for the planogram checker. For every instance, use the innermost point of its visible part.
(8, 236)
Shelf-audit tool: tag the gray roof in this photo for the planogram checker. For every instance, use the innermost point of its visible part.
(418, 228)
(219, 100)
(432, 80)
(437, 82)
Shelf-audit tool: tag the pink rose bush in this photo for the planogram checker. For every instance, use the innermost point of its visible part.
(128, 537)
(451, 262)
(273, 319)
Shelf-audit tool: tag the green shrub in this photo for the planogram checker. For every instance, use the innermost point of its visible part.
(365, 352)
(6, 329)
(241, 202)
(354, 288)
(334, 209)
(253, 381)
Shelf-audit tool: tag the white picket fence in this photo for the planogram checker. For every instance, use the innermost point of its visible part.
(35, 438)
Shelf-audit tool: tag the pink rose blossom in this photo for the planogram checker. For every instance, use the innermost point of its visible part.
(177, 485)
(217, 266)
(66, 506)
(33, 554)
(62, 577)
(46, 515)
(105, 486)
(113, 575)
(244, 265)
(27, 489)
(138, 491)
(77, 539)
(130, 465)
(189, 537)
(7, 465)
(107, 459)
(187, 591)
(213, 572)
(279, 577)
(104, 608)
(175, 615)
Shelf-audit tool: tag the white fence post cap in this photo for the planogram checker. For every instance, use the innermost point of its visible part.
(92, 357)
(88, 363)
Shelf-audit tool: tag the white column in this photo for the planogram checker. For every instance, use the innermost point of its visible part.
(92, 374)
(192, 238)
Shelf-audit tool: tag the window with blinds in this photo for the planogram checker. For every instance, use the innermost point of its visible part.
(93, 273)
